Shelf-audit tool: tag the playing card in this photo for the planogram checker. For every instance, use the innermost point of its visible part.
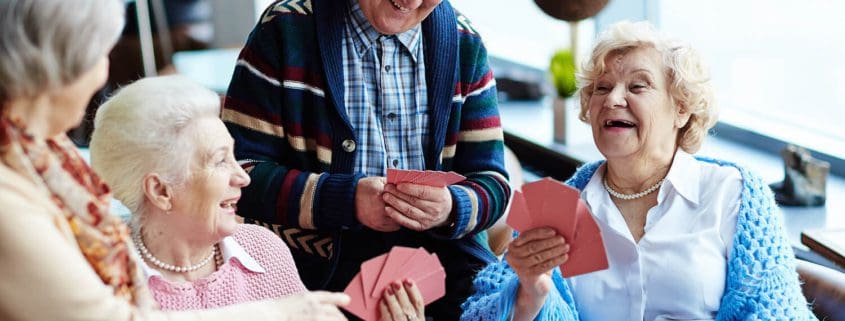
(370, 271)
(428, 178)
(393, 265)
(518, 216)
(550, 203)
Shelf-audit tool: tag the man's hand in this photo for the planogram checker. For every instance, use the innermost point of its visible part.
(369, 206)
(418, 207)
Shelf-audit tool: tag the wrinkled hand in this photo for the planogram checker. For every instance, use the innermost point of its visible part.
(533, 256)
(313, 306)
(402, 302)
(418, 207)
(369, 206)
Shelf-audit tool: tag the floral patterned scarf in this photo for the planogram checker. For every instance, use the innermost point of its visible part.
(56, 167)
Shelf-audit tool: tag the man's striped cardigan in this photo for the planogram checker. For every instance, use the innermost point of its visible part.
(284, 107)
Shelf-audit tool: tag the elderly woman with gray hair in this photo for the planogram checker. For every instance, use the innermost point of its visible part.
(161, 146)
(687, 238)
(64, 256)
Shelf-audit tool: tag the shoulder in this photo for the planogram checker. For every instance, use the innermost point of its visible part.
(720, 177)
(464, 24)
(583, 175)
(253, 236)
(751, 184)
(282, 8)
(20, 195)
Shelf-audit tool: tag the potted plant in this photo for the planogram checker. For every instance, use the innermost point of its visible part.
(562, 69)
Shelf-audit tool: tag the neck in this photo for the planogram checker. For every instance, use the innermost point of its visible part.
(34, 113)
(175, 247)
(631, 176)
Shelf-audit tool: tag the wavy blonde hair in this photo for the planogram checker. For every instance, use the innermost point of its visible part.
(689, 80)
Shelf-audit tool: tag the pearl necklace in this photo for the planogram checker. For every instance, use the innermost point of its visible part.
(629, 197)
(142, 249)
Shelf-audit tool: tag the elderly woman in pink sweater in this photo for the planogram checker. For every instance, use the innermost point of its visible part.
(161, 146)
(167, 156)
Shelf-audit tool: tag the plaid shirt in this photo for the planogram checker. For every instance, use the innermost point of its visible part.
(384, 94)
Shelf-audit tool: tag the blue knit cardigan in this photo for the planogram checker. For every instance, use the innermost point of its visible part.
(762, 283)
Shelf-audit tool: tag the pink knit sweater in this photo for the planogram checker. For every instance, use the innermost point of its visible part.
(234, 283)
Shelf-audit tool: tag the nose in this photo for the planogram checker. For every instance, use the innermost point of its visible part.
(240, 178)
(616, 98)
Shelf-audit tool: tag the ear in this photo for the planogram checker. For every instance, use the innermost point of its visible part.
(157, 192)
(681, 116)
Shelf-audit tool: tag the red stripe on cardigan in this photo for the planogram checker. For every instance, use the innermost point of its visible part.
(259, 63)
(282, 200)
(483, 123)
(299, 74)
(296, 129)
(483, 203)
(287, 73)
(464, 89)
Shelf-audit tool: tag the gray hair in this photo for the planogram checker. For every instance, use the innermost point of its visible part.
(689, 80)
(142, 130)
(46, 44)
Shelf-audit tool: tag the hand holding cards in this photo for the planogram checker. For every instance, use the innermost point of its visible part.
(367, 287)
(548, 202)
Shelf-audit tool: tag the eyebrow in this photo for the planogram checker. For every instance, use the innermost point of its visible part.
(641, 70)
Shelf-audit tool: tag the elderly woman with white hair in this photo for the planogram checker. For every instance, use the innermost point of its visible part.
(687, 238)
(64, 256)
(161, 146)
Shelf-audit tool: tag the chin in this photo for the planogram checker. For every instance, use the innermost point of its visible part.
(227, 227)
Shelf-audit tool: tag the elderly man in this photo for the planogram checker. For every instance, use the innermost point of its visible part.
(327, 95)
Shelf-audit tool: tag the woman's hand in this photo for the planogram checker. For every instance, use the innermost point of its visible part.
(313, 306)
(532, 256)
(402, 302)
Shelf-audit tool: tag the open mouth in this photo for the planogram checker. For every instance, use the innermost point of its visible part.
(231, 204)
(399, 7)
(618, 123)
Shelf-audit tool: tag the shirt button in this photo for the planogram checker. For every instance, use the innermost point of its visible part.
(348, 145)
(395, 162)
(387, 68)
(391, 116)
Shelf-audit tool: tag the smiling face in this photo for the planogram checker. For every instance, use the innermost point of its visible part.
(204, 206)
(631, 112)
(392, 17)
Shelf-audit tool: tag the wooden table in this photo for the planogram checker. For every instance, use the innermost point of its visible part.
(829, 243)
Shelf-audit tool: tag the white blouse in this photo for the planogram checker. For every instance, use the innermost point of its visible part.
(677, 270)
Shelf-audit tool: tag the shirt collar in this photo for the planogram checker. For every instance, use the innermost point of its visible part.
(364, 35)
(683, 177)
(229, 248)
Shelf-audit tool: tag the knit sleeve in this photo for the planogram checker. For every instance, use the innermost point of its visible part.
(495, 295)
(762, 282)
(285, 154)
(477, 149)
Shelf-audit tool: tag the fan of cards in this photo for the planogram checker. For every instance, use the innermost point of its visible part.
(428, 178)
(401, 263)
(548, 202)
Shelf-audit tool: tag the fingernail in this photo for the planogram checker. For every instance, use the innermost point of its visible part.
(389, 291)
(396, 286)
(407, 282)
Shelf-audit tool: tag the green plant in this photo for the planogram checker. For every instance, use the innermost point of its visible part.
(562, 68)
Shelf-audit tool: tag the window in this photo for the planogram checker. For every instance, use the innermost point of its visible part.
(776, 66)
